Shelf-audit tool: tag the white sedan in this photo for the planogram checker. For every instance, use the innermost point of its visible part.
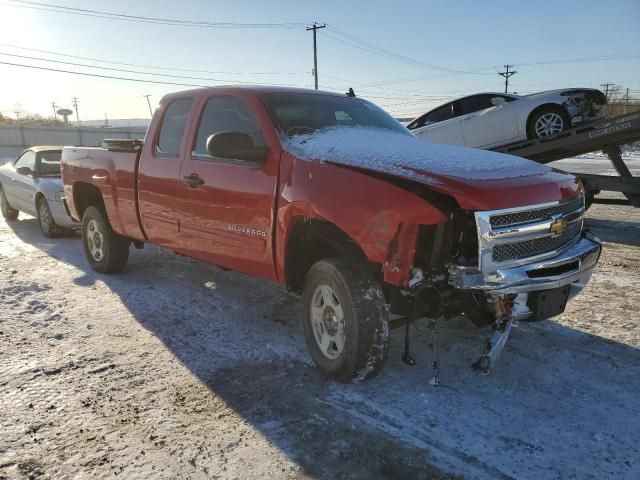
(489, 120)
(32, 184)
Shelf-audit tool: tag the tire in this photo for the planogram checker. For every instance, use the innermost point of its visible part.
(8, 212)
(557, 121)
(46, 221)
(346, 314)
(106, 251)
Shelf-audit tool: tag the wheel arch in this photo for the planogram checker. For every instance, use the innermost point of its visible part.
(545, 106)
(312, 240)
(39, 195)
(86, 195)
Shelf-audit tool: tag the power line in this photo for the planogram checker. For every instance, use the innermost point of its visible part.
(368, 46)
(134, 71)
(111, 77)
(93, 59)
(507, 74)
(49, 7)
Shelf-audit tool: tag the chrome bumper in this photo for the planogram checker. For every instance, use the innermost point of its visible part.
(573, 265)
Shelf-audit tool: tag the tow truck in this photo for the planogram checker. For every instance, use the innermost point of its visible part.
(606, 135)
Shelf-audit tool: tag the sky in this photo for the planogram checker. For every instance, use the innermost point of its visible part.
(406, 56)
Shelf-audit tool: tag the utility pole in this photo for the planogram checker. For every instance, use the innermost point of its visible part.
(315, 27)
(75, 106)
(149, 103)
(506, 74)
(606, 86)
(55, 114)
(626, 102)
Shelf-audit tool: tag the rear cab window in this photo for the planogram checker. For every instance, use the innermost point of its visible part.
(173, 127)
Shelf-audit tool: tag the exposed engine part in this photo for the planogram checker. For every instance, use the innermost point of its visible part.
(502, 307)
(406, 355)
(584, 104)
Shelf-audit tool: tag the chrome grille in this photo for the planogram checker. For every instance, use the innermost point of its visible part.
(536, 246)
(535, 215)
(508, 238)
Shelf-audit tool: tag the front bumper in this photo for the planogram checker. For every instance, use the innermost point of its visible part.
(573, 266)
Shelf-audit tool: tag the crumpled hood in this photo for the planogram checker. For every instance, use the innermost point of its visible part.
(477, 179)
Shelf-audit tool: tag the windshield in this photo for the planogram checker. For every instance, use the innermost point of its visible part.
(48, 164)
(304, 113)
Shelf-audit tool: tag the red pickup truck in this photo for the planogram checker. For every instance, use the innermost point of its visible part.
(329, 196)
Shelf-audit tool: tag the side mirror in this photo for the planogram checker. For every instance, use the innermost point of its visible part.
(498, 101)
(235, 146)
(25, 171)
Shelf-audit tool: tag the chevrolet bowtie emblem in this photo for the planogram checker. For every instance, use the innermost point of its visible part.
(558, 226)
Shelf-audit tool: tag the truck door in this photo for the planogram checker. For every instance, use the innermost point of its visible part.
(228, 206)
(158, 176)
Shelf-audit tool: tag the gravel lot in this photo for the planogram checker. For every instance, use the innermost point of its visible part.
(177, 369)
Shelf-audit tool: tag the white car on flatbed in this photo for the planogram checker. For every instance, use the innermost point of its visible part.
(488, 120)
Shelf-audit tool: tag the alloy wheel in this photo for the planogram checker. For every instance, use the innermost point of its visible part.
(328, 322)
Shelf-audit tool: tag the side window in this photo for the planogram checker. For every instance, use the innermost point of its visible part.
(475, 103)
(439, 114)
(28, 159)
(173, 125)
(226, 114)
(418, 122)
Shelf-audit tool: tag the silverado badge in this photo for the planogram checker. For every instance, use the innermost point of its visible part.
(558, 226)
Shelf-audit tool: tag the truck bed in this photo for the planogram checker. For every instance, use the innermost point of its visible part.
(111, 170)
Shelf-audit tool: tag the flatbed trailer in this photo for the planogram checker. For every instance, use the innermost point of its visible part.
(606, 135)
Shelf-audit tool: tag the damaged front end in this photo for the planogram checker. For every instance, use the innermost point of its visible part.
(496, 267)
(584, 105)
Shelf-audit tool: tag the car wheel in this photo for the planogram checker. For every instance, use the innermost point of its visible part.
(8, 212)
(47, 223)
(547, 123)
(106, 251)
(345, 321)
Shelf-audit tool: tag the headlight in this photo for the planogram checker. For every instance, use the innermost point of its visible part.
(59, 197)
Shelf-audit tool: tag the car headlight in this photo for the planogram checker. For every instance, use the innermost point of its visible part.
(59, 197)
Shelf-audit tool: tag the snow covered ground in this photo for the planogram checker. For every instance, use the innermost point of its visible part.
(176, 369)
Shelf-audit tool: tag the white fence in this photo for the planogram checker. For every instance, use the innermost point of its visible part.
(15, 138)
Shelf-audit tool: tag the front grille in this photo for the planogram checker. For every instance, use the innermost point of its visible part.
(536, 246)
(531, 216)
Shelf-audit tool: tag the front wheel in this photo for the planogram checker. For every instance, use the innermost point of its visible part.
(345, 321)
(106, 251)
(8, 212)
(47, 224)
(547, 123)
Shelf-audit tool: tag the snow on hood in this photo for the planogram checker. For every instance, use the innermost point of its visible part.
(405, 155)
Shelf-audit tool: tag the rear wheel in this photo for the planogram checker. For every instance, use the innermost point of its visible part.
(345, 321)
(8, 212)
(47, 223)
(106, 251)
(547, 122)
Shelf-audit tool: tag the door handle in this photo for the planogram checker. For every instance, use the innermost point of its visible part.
(193, 180)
